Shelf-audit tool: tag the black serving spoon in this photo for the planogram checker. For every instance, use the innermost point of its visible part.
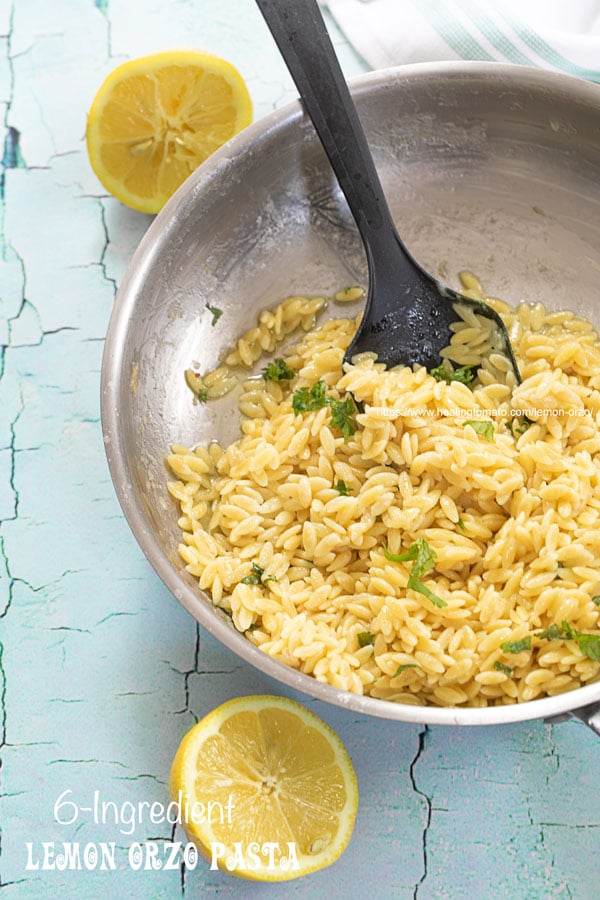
(408, 313)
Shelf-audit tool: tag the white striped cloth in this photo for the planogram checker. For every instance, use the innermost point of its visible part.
(563, 35)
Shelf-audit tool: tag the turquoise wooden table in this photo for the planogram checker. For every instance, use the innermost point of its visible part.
(102, 671)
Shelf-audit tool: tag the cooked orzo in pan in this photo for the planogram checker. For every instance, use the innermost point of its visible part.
(422, 537)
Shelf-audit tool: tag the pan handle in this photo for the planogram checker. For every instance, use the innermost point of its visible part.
(590, 715)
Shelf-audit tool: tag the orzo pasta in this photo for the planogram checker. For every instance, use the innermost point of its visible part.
(408, 535)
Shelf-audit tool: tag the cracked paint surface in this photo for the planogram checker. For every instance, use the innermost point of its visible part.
(102, 672)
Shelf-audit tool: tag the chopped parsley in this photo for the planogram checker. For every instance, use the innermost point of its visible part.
(342, 411)
(365, 638)
(417, 585)
(278, 370)
(464, 375)
(500, 667)
(305, 400)
(516, 646)
(461, 525)
(256, 576)
(342, 416)
(589, 644)
(342, 488)
(553, 633)
(596, 600)
(403, 668)
(216, 313)
(484, 428)
(201, 395)
(423, 558)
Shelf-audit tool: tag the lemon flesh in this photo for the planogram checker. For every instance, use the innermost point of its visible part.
(273, 787)
(155, 119)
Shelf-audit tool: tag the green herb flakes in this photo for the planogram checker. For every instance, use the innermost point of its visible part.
(500, 667)
(553, 633)
(420, 546)
(342, 416)
(342, 411)
(485, 428)
(423, 558)
(596, 601)
(216, 313)
(464, 375)
(305, 400)
(365, 638)
(342, 488)
(278, 370)
(461, 525)
(403, 668)
(589, 644)
(516, 646)
(257, 576)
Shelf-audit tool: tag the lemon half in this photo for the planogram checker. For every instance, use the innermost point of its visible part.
(156, 118)
(266, 789)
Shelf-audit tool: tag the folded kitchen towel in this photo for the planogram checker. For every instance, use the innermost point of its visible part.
(563, 35)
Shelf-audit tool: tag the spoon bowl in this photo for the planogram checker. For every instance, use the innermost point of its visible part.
(408, 315)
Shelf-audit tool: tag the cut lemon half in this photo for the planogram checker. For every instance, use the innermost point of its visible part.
(156, 118)
(266, 789)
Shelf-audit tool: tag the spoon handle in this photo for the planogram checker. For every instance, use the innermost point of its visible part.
(301, 36)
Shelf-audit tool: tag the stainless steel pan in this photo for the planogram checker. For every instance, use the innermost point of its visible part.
(487, 167)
